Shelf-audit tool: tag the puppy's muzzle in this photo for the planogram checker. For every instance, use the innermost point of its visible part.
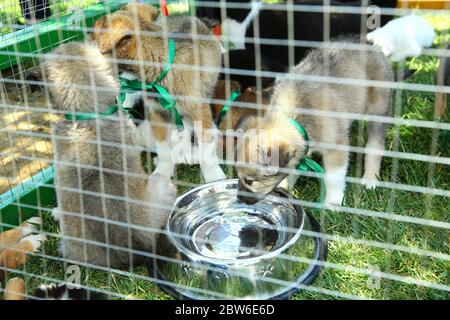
(247, 196)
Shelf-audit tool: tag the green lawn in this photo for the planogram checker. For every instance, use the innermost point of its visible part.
(344, 253)
(10, 13)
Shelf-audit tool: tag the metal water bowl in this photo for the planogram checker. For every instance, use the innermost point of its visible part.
(216, 247)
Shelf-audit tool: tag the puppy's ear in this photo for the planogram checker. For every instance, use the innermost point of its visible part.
(101, 35)
(35, 74)
(148, 13)
(144, 12)
(118, 34)
(124, 45)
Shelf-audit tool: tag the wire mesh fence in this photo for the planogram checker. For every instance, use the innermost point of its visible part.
(147, 139)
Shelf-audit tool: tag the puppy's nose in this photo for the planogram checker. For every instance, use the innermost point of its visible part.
(248, 197)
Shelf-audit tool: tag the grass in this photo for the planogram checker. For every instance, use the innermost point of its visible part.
(10, 13)
(408, 105)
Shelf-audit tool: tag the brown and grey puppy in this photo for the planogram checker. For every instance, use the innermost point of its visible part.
(107, 204)
(275, 137)
(192, 77)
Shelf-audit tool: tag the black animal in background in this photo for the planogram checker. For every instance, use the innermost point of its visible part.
(273, 24)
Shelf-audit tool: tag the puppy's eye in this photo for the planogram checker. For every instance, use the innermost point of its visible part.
(248, 182)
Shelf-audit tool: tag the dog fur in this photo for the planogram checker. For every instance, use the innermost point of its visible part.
(122, 41)
(288, 100)
(236, 113)
(14, 290)
(97, 178)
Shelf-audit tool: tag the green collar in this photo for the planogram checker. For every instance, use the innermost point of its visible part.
(234, 95)
(164, 97)
(90, 116)
(308, 164)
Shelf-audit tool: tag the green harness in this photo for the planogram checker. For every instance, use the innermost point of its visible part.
(165, 99)
(234, 95)
(129, 86)
(308, 164)
(89, 116)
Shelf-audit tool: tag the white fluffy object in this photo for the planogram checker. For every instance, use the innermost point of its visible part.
(403, 37)
(234, 31)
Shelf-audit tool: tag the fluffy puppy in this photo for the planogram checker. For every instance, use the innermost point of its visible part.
(403, 37)
(116, 34)
(107, 204)
(273, 141)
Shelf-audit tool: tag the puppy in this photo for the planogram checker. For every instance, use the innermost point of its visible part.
(274, 140)
(403, 37)
(115, 34)
(107, 204)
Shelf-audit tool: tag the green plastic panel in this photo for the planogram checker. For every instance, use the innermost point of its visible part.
(26, 200)
(42, 37)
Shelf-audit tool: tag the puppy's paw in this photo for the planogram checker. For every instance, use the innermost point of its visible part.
(333, 200)
(55, 214)
(284, 184)
(369, 183)
(30, 226)
(34, 242)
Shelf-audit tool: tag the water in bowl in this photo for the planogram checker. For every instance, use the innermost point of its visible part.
(216, 226)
